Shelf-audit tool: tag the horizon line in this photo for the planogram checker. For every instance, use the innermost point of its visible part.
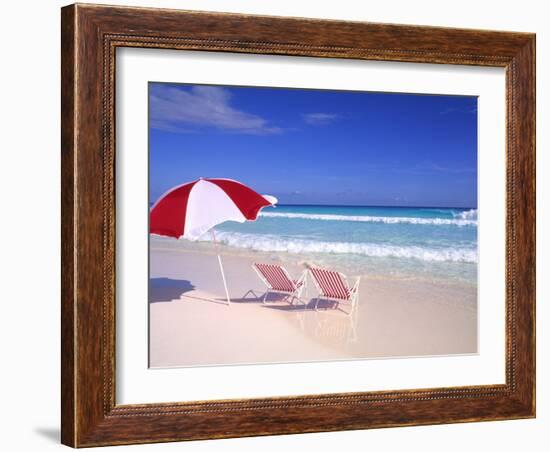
(364, 205)
(372, 205)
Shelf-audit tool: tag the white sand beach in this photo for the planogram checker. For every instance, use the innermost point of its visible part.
(190, 324)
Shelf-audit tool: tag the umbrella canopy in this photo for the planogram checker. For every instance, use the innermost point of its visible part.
(191, 209)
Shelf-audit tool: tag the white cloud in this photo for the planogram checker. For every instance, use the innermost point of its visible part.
(319, 119)
(177, 110)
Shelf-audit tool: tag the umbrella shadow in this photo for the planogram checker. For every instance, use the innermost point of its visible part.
(163, 290)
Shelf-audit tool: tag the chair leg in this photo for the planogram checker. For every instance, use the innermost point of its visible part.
(298, 298)
(265, 296)
(348, 312)
(250, 292)
(353, 304)
(343, 310)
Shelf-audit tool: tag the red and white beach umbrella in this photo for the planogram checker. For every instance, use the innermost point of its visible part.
(192, 209)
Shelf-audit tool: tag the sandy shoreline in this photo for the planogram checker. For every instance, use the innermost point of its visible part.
(190, 325)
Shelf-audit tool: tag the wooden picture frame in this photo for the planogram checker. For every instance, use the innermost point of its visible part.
(90, 36)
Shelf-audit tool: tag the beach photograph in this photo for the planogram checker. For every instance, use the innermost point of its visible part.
(296, 225)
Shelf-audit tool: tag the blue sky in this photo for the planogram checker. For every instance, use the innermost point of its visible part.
(317, 146)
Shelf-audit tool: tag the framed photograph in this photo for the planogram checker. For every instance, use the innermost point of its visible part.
(281, 225)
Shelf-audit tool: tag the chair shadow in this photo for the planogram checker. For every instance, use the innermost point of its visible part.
(323, 304)
(257, 297)
(309, 306)
(297, 306)
(164, 290)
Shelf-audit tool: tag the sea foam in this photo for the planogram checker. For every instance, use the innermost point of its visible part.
(273, 243)
(466, 218)
(467, 215)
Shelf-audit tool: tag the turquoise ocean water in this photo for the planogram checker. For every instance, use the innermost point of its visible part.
(431, 243)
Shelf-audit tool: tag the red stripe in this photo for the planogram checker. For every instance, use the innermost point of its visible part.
(331, 284)
(337, 284)
(276, 277)
(167, 217)
(247, 200)
(270, 277)
(279, 279)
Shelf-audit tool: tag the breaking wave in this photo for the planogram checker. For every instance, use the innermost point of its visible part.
(467, 218)
(272, 243)
(467, 215)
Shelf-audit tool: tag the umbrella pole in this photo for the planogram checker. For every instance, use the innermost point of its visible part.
(221, 266)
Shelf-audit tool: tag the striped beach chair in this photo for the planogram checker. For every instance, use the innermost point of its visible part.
(277, 280)
(333, 286)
